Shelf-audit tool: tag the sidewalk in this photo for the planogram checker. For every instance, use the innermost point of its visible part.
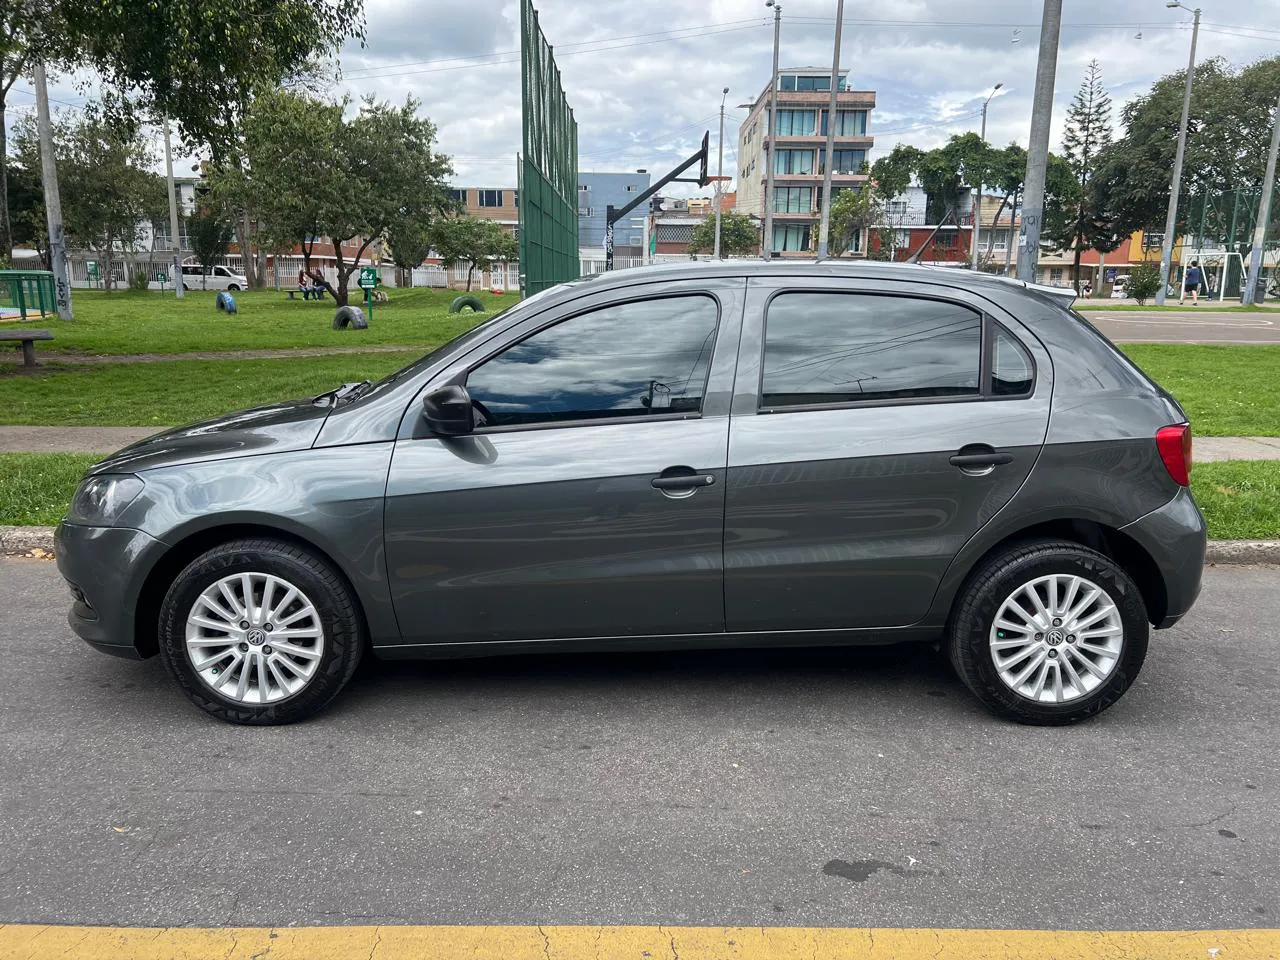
(109, 439)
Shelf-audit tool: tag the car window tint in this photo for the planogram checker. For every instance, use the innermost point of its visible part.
(635, 359)
(1011, 372)
(845, 347)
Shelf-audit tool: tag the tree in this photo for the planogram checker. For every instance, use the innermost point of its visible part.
(1144, 282)
(210, 237)
(108, 190)
(14, 48)
(1009, 167)
(409, 244)
(473, 241)
(1087, 134)
(739, 235)
(306, 171)
(199, 62)
(854, 210)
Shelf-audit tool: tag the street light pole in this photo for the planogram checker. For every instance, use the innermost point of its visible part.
(720, 175)
(825, 228)
(1038, 145)
(1171, 217)
(977, 203)
(1264, 214)
(771, 135)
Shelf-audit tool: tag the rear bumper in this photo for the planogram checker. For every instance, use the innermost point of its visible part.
(103, 567)
(1174, 536)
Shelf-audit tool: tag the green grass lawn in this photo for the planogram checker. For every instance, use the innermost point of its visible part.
(1240, 500)
(124, 322)
(177, 391)
(1231, 391)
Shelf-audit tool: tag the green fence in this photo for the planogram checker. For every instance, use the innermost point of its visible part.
(548, 174)
(26, 293)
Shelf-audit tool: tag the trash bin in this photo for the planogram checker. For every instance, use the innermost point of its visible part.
(1260, 289)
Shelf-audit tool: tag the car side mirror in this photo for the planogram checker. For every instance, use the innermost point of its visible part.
(448, 411)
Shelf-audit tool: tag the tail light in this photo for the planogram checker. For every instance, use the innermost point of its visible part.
(1174, 444)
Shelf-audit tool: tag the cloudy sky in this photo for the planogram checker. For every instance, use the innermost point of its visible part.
(644, 78)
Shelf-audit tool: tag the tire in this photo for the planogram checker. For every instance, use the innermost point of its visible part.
(328, 608)
(234, 286)
(350, 316)
(467, 301)
(973, 629)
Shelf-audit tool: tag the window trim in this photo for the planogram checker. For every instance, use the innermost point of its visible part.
(460, 377)
(986, 356)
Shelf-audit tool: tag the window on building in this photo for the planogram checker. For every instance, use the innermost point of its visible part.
(849, 123)
(796, 123)
(812, 84)
(791, 236)
(896, 208)
(1011, 370)
(902, 239)
(793, 161)
(586, 211)
(946, 239)
(515, 198)
(1055, 275)
(793, 199)
(583, 188)
(489, 198)
(787, 82)
(638, 359)
(459, 195)
(843, 161)
(632, 188)
(843, 347)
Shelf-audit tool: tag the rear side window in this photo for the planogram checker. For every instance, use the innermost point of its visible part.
(848, 347)
(1011, 370)
(641, 359)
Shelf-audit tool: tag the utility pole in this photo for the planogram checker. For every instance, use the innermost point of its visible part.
(824, 230)
(720, 175)
(977, 200)
(1264, 214)
(1171, 217)
(1038, 147)
(766, 246)
(52, 200)
(176, 275)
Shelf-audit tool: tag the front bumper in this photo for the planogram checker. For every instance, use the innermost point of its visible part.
(1174, 536)
(105, 568)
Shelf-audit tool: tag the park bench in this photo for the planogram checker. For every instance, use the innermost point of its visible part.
(26, 340)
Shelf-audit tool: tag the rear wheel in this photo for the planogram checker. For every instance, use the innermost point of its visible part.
(260, 632)
(1049, 633)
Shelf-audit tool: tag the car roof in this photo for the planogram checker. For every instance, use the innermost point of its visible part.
(794, 267)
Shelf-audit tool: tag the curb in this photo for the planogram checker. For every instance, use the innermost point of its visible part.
(28, 540)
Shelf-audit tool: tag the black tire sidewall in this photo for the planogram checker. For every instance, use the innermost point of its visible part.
(987, 591)
(328, 592)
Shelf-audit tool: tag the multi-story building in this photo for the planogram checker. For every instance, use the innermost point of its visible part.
(598, 191)
(800, 134)
(674, 222)
(491, 203)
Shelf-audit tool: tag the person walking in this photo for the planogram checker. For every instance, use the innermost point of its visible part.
(1191, 280)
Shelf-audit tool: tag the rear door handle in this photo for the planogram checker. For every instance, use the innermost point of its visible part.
(682, 482)
(992, 459)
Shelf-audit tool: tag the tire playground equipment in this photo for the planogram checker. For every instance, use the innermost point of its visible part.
(349, 316)
(225, 303)
(465, 301)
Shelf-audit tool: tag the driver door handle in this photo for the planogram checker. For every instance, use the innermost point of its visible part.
(682, 481)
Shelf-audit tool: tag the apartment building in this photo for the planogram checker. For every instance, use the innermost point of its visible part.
(798, 146)
(491, 203)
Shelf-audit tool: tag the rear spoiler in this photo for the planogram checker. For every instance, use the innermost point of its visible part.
(1065, 296)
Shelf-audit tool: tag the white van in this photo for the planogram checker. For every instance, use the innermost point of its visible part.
(219, 278)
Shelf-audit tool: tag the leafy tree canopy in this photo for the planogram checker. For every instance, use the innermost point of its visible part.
(739, 235)
(473, 241)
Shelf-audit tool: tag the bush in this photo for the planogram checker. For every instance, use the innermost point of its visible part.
(138, 279)
(1144, 282)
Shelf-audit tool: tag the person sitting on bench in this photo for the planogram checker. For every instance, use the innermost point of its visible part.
(304, 284)
(317, 284)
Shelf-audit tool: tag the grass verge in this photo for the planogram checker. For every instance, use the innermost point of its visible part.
(1231, 391)
(1240, 499)
(176, 392)
(131, 323)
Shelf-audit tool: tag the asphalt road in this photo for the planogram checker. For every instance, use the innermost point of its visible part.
(1196, 325)
(829, 788)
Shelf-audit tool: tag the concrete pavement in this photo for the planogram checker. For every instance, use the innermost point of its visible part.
(1194, 325)
(830, 788)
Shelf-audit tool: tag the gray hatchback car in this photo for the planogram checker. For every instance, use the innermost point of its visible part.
(702, 455)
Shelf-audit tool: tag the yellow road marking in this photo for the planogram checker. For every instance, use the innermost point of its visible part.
(40, 942)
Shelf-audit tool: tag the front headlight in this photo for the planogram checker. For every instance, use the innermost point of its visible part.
(99, 500)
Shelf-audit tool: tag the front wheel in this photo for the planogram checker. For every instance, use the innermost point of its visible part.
(260, 632)
(234, 286)
(1049, 633)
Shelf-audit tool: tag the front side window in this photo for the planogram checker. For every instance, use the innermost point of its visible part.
(640, 359)
(848, 347)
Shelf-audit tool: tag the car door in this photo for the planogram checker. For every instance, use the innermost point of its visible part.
(876, 426)
(590, 500)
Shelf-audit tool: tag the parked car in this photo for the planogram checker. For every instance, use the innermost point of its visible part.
(218, 278)
(723, 454)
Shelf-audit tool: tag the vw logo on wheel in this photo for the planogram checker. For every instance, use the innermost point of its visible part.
(1055, 637)
(256, 637)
